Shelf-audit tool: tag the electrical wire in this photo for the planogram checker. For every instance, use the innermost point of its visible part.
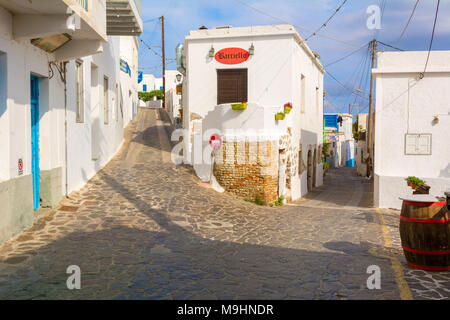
(326, 22)
(387, 45)
(296, 26)
(409, 21)
(345, 57)
(422, 75)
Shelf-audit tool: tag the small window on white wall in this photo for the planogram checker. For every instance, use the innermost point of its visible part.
(303, 94)
(106, 100)
(317, 99)
(79, 91)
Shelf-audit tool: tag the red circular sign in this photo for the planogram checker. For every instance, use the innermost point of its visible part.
(232, 56)
(215, 142)
(20, 164)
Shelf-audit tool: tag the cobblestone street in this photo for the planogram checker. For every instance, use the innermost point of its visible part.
(144, 228)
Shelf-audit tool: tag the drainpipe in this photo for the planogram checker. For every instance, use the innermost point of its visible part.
(65, 127)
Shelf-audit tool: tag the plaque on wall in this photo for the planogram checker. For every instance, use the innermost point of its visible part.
(418, 144)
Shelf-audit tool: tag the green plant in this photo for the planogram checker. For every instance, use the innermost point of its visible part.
(287, 108)
(416, 181)
(147, 96)
(258, 201)
(326, 167)
(279, 202)
(326, 148)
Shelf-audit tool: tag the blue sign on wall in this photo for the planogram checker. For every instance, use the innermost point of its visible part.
(331, 121)
(125, 67)
(140, 76)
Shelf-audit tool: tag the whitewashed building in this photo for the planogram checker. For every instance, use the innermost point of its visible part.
(339, 135)
(412, 122)
(61, 111)
(266, 66)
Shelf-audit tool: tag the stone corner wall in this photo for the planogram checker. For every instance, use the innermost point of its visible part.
(248, 169)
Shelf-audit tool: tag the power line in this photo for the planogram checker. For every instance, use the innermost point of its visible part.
(326, 22)
(409, 21)
(297, 26)
(344, 86)
(387, 45)
(345, 57)
(432, 38)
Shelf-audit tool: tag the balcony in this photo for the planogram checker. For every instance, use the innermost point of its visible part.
(124, 17)
(68, 29)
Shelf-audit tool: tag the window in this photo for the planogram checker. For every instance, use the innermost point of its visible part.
(79, 92)
(317, 99)
(303, 94)
(106, 100)
(144, 88)
(232, 86)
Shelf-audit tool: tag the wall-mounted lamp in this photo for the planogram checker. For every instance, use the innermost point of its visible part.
(178, 76)
(251, 51)
(211, 52)
(435, 120)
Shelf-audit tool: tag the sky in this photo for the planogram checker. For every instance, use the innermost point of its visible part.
(344, 34)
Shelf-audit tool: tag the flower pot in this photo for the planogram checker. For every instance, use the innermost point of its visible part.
(280, 116)
(287, 110)
(239, 106)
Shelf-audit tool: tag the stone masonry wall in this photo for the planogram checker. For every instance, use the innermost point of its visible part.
(248, 169)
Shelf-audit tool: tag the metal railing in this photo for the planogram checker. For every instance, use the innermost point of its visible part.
(84, 4)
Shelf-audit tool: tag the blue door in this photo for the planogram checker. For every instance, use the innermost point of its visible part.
(35, 139)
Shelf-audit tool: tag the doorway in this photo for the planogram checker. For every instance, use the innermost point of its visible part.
(310, 171)
(35, 139)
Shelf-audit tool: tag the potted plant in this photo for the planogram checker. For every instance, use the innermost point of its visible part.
(418, 185)
(239, 106)
(280, 116)
(287, 108)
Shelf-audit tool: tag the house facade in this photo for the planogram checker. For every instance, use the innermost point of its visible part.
(61, 111)
(267, 67)
(411, 124)
(339, 135)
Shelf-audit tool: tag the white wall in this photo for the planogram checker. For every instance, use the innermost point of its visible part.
(407, 105)
(274, 74)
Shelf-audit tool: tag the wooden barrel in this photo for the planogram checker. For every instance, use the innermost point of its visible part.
(425, 234)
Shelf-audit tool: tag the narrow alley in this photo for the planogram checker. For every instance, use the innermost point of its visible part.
(144, 228)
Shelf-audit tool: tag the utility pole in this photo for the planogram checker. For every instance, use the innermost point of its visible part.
(163, 63)
(370, 129)
(349, 108)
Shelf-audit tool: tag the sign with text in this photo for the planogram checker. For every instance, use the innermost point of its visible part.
(232, 56)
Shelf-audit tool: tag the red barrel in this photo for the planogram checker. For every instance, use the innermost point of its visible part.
(425, 235)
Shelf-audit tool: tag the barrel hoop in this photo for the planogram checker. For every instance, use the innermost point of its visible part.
(433, 253)
(428, 268)
(444, 220)
(426, 204)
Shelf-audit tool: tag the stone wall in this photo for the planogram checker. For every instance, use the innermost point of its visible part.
(248, 169)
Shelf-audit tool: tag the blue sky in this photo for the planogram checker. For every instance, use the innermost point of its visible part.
(346, 32)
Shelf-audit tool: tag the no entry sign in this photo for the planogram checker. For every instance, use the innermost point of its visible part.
(215, 142)
(20, 167)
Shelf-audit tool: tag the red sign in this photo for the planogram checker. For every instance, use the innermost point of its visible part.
(215, 142)
(20, 167)
(232, 56)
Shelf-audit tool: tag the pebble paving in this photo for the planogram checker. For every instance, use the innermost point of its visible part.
(143, 228)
